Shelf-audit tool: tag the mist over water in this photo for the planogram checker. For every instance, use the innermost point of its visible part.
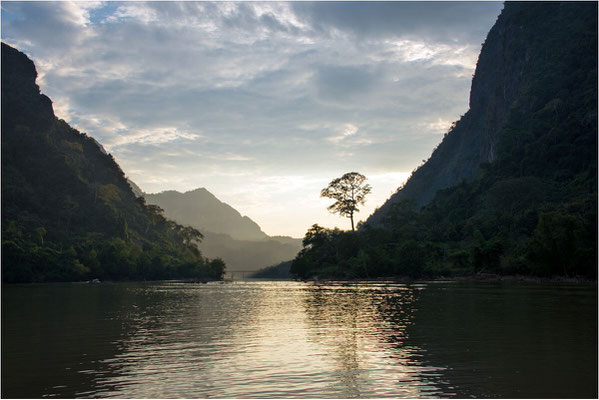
(299, 340)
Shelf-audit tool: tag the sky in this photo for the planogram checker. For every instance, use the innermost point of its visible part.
(261, 103)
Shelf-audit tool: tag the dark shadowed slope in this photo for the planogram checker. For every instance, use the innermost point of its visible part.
(532, 63)
(512, 188)
(68, 212)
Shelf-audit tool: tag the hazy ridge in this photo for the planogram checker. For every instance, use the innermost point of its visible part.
(236, 239)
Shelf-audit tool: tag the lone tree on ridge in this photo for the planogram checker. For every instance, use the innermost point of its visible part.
(349, 191)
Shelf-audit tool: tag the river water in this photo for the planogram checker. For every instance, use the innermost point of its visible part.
(299, 340)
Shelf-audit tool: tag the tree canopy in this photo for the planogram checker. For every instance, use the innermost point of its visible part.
(349, 191)
(531, 209)
(68, 212)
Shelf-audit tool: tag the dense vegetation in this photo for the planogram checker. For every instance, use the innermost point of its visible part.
(531, 210)
(279, 271)
(68, 212)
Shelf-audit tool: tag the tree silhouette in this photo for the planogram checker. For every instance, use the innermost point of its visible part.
(349, 191)
(190, 234)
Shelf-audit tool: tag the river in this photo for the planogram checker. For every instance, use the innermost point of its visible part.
(299, 340)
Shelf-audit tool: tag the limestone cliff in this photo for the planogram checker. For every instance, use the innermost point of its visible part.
(520, 69)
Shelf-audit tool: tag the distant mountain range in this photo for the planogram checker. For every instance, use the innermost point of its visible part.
(201, 209)
(236, 239)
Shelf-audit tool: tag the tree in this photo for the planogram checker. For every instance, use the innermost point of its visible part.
(217, 268)
(156, 214)
(349, 191)
(189, 235)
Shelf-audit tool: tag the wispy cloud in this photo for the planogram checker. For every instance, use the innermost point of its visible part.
(345, 131)
(230, 93)
(156, 135)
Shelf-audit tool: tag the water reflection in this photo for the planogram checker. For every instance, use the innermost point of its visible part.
(265, 340)
(512, 340)
(54, 337)
(299, 340)
(181, 333)
(364, 330)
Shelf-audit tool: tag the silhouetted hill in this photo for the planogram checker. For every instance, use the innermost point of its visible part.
(68, 212)
(536, 62)
(248, 255)
(512, 188)
(236, 239)
(201, 209)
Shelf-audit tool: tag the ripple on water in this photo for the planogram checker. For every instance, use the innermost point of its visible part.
(294, 340)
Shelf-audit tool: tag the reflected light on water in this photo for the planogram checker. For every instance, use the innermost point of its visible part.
(353, 323)
(269, 340)
(299, 340)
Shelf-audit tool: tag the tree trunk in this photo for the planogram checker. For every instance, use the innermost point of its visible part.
(351, 217)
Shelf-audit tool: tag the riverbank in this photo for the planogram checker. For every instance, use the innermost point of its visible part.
(466, 278)
(519, 278)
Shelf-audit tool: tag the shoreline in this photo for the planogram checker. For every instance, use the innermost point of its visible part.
(521, 278)
(490, 278)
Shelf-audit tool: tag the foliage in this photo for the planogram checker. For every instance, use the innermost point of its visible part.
(348, 191)
(68, 212)
(533, 209)
(278, 271)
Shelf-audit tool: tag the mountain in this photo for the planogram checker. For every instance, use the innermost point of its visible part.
(202, 210)
(136, 189)
(249, 255)
(68, 212)
(236, 239)
(531, 62)
(512, 188)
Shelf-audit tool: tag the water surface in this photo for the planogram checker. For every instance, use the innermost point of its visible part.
(298, 340)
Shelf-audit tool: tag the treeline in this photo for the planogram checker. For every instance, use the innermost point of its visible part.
(68, 212)
(554, 241)
(533, 210)
(278, 271)
(28, 256)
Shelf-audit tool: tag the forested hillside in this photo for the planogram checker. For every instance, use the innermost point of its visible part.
(68, 212)
(512, 188)
(526, 72)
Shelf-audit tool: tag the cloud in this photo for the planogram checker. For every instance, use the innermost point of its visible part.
(429, 21)
(346, 136)
(157, 135)
(47, 26)
(132, 10)
(225, 95)
(340, 83)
